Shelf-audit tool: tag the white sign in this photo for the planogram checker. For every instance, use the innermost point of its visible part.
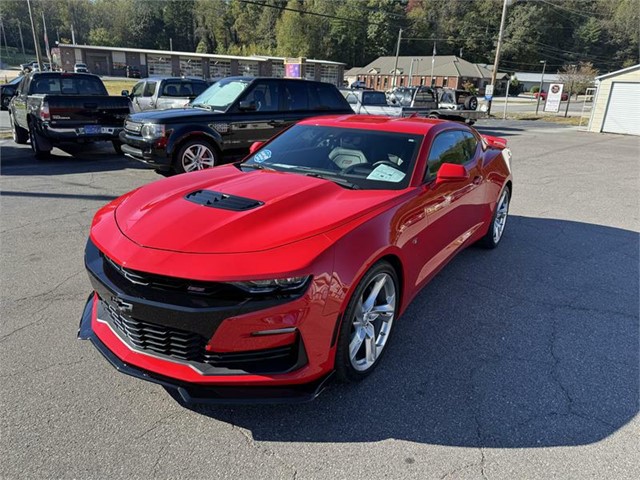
(554, 96)
(488, 92)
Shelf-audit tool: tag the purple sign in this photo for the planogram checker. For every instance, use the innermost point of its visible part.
(292, 70)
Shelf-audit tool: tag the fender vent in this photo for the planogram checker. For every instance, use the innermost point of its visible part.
(209, 198)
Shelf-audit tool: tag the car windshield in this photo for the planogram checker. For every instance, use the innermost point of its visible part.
(353, 158)
(221, 95)
(374, 98)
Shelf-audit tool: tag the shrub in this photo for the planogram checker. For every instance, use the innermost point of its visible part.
(535, 89)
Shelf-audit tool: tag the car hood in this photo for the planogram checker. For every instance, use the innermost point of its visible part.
(292, 207)
(173, 115)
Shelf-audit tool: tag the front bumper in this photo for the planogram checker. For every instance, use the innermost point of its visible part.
(191, 393)
(145, 151)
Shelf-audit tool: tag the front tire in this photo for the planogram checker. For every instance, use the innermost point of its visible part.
(498, 221)
(366, 325)
(198, 154)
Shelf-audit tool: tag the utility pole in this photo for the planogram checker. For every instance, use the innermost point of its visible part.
(494, 74)
(35, 37)
(4, 34)
(21, 39)
(395, 69)
(541, 84)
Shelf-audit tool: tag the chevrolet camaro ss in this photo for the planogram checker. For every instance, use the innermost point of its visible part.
(260, 280)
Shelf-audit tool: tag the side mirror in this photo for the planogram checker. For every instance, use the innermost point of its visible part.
(247, 105)
(124, 93)
(450, 172)
(255, 146)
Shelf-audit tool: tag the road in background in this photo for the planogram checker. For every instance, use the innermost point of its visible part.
(520, 362)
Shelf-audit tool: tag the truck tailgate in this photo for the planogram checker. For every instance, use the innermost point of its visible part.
(68, 111)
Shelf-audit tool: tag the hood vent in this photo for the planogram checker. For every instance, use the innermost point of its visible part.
(209, 198)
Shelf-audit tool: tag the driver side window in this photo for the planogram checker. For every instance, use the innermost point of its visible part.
(452, 146)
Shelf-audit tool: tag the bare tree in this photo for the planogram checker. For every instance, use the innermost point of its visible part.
(577, 78)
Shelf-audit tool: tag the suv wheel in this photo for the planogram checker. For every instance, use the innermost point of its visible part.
(20, 135)
(195, 155)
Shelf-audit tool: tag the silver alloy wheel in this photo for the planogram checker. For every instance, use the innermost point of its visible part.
(501, 216)
(372, 322)
(197, 157)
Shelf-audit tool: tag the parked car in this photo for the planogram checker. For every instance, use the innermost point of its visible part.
(223, 122)
(359, 84)
(543, 96)
(28, 67)
(158, 93)
(80, 68)
(7, 91)
(52, 108)
(258, 281)
(438, 102)
(370, 102)
(132, 71)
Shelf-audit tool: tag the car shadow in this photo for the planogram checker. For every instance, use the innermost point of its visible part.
(534, 344)
(99, 157)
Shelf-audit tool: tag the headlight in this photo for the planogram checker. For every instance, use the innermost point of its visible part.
(269, 286)
(152, 130)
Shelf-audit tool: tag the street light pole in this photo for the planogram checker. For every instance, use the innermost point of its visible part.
(395, 69)
(541, 84)
(494, 73)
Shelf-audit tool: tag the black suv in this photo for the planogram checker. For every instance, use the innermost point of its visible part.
(222, 122)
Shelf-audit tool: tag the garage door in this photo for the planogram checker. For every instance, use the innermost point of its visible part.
(623, 111)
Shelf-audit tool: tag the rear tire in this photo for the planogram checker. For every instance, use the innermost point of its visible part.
(366, 324)
(20, 135)
(498, 221)
(433, 115)
(471, 103)
(40, 149)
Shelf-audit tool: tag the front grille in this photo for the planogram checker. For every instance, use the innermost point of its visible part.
(191, 347)
(180, 285)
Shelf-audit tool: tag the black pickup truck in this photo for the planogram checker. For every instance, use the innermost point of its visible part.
(222, 122)
(53, 108)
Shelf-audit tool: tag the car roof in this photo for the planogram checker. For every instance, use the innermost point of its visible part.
(160, 77)
(412, 125)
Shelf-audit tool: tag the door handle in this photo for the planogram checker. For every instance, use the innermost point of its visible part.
(477, 180)
(276, 123)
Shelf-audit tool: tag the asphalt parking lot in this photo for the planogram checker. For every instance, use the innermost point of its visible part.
(521, 362)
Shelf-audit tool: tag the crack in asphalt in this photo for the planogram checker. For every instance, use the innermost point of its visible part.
(263, 450)
(158, 423)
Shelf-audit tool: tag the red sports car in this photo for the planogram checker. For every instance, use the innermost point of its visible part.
(543, 96)
(258, 281)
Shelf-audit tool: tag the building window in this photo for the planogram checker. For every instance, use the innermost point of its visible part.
(329, 74)
(277, 69)
(219, 68)
(248, 69)
(310, 71)
(159, 65)
(191, 67)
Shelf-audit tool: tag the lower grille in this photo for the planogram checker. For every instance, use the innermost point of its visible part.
(191, 347)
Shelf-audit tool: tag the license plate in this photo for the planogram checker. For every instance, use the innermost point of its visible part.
(92, 129)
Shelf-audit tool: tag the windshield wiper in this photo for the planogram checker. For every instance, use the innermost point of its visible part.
(255, 166)
(201, 105)
(337, 180)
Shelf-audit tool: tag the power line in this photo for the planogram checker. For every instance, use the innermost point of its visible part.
(575, 12)
(315, 14)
